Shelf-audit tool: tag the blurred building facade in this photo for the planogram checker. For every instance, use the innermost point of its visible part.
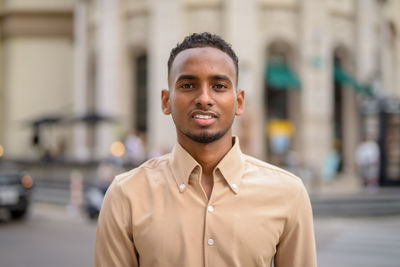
(309, 63)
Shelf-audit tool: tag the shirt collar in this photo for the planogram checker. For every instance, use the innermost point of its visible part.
(231, 166)
(182, 164)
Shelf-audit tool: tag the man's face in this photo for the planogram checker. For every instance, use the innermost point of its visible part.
(202, 96)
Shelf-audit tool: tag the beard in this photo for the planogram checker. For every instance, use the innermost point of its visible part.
(205, 137)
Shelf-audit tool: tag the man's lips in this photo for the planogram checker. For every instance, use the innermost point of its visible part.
(204, 118)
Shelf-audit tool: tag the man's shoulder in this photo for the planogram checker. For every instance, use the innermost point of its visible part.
(270, 171)
(280, 184)
(144, 170)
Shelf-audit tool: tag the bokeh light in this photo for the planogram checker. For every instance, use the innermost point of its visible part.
(117, 149)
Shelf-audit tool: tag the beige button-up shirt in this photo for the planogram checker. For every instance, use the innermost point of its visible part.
(159, 215)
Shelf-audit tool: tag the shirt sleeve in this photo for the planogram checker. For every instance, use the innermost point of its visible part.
(297, 243)
(114, 244)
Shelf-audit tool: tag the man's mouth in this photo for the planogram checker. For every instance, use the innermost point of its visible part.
(204, 119)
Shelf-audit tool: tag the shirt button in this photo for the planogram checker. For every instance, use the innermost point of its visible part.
(182, 187)
(234, 186)
(210, 241)
(210, 208)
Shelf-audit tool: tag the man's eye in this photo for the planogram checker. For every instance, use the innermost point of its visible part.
(187, 86)
(219, 86)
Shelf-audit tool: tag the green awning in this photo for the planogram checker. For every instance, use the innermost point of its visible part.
(342, 77)
(279, 76)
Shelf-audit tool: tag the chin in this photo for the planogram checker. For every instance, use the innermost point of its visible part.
(205, 137)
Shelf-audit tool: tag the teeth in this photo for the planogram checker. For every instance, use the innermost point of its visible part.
(203, 117)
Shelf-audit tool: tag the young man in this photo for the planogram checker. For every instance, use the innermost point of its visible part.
(206, 203)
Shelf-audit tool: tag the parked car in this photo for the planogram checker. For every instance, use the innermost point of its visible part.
(15, 192)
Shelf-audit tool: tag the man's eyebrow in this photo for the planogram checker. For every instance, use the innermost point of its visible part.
(186, 77)
(220, 77)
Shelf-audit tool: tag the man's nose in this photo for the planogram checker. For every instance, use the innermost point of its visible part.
(204, 98)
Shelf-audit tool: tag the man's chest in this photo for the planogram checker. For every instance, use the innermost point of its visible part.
(188, 230)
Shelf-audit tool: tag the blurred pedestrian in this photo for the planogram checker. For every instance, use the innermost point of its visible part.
(206, 203)
(106, 172)
(332, 162)
(135, 148)
(368, 162)
(280, 133)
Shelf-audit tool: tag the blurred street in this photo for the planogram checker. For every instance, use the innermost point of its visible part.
(51, 237)
(48, 237)
(353, 242)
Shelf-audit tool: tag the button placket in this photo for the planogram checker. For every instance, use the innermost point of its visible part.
(210, 234)
(209, 238)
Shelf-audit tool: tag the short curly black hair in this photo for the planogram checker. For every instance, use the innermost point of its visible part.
(204, 39)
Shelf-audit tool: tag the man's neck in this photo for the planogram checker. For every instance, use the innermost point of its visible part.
(207, 155)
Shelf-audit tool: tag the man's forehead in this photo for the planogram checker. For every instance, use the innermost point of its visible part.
(201, 52)
(194, 57)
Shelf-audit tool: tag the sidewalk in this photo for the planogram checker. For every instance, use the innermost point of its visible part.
(345, 196)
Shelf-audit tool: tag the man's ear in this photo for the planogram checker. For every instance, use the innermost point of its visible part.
(239, 102)
(165, 106)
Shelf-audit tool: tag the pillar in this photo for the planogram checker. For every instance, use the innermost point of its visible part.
(81, 74)
(111, 77)
(164, 33)
(315, 72)
(243, 35)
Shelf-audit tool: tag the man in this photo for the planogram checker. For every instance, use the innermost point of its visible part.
(206, 203)
(368, 161)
